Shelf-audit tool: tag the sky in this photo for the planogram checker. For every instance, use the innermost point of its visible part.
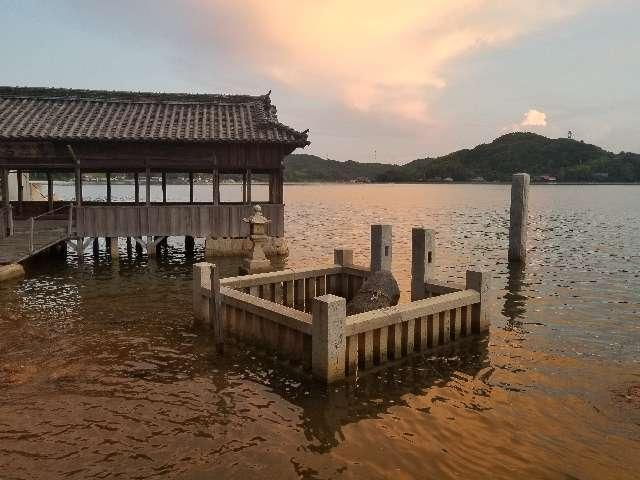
(371, 80)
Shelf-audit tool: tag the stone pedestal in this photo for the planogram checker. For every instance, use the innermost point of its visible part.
(257, 262)
(518, 217)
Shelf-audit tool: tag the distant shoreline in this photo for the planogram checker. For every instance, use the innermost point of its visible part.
(62, 182)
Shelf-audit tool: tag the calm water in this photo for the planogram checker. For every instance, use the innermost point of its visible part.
(102, 376)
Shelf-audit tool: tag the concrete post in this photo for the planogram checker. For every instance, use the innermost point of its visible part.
(342, 256)
(423, 258)
(518, 217)
(201, 272)
(329, 316)
(113, 247)
(151, 246)
(215, 310)
(480, 282)
(381, 245)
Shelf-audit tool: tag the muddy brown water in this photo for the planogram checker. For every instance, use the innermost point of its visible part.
(102, 376)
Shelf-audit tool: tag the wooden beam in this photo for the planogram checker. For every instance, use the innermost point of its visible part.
(164, 187)
(190, 187)
(50, 191)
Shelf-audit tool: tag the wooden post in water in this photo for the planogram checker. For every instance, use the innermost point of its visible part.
(518, 217)
(215, 310)
(423, 257)
(328, 340)
(381, 247)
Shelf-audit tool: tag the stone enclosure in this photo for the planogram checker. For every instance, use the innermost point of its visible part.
(300, 314)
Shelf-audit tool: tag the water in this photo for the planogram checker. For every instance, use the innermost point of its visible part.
(102, 376)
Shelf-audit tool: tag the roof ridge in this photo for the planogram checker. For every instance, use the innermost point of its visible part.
(55, 93)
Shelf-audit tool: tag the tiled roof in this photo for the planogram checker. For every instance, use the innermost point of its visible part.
(63, 114)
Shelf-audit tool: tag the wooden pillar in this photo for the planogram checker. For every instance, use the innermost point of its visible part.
(244, 187)
(164, 187)
(108, 188)
(136, 183)
(78, 185)
(216, 187)
(190, 187)
(20, 187)
(49, 191)
(248, 186)
(148, 173)
(5, 187)
(518, 216)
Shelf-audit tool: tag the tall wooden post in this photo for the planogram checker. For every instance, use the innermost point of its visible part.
(216, 187)
(20, 190)
(190, 187)
(5, 187)
(136, 183)
(148, 186)
(49, 191)
(244, 187)
(519, 213)
(164, 187)
(108, 188)
(248, 186)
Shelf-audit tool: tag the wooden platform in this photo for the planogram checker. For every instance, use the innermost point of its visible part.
(47, 233)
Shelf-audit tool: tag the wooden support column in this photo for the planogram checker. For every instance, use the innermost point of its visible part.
(108, 188)
(148, 186)
(164, 187)
(190, 187)
(5, 187)
(216, 187)
(20, 187)
(248, 186)
(136, 183)
(49, 191)
(78, 176)
(244, 187)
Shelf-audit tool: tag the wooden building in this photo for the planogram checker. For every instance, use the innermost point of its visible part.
(145, 135)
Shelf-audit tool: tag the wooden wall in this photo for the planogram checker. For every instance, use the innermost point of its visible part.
(4, 221)
(173, 220)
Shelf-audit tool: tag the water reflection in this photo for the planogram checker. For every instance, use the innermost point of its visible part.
(515, 302)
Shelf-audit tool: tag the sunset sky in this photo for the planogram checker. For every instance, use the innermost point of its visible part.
(408, 79)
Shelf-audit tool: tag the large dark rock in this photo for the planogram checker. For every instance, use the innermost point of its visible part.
(379, 291)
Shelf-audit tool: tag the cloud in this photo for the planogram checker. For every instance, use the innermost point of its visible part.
(534, 118)
(373, 56)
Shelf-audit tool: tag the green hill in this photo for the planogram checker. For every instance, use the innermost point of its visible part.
(566, 159)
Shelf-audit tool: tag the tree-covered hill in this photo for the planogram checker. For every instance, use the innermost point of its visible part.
(566, 159)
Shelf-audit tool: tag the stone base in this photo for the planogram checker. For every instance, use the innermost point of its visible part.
(241, 247)
(249, 267)
(11, 272)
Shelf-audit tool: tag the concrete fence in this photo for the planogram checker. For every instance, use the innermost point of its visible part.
(300, 314)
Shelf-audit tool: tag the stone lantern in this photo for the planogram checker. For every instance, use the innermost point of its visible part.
(257, 262)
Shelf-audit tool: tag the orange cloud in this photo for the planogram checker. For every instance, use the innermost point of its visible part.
(375, 56)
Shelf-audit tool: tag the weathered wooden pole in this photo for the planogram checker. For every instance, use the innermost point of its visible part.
(4, 173)
(423, 257)
(216, 187)
(190, 187)
(248, 188)
(381, 247)
(328, 340)
(518, 217)
(164, 187)
(148, 185)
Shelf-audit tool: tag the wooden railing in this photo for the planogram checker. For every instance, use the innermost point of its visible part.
(6, 222)
(178, 219)
(63, 211)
